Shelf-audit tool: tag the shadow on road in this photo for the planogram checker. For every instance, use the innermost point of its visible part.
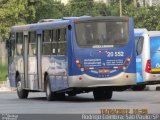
(75, 99)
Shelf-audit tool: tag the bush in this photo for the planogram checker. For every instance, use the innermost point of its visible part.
(3, 72)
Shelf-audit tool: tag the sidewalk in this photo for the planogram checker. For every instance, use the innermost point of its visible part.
(4, 87)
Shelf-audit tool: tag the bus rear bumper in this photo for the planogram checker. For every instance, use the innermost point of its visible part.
(152, 78)
(122, 79)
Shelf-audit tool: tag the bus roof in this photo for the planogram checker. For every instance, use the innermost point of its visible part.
(54, 23)
(140, 31)
(154, 33)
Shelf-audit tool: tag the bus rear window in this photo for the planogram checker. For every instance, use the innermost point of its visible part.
(93, 33)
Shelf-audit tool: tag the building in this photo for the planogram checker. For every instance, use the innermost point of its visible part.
(148, 2)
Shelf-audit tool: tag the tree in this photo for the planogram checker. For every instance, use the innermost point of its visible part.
(46, 9)
(80, 7)
(13, 12)
(100, 8)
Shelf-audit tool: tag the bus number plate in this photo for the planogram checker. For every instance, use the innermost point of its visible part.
(103, 70)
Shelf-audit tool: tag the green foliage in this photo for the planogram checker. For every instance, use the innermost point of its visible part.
(13, 12)
(144, 17)
(46, 9)
(80, 7)
(16, 12)
(3, 72)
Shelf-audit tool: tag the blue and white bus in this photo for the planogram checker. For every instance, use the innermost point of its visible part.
(147, 57)
(73, 55)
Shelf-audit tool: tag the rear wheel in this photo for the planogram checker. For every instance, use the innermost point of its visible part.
(138, 87)
(22, 93)
(51, 95)
(102, 94)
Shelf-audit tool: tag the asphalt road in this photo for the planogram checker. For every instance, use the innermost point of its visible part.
(83, 103)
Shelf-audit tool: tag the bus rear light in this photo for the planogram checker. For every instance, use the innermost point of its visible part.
(127, 61)
(127, 76)
(148, 66)
(78, 63)
(80, 78)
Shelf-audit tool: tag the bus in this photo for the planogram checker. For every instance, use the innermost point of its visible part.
(147, 58)
(73, 55)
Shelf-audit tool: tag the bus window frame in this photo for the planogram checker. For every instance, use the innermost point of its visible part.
(55, 39)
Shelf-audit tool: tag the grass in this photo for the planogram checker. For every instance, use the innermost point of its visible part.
(3, 72)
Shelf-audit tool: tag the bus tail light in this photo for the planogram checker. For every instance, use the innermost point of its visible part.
(148, 66)
(127, 61)
(78, 63)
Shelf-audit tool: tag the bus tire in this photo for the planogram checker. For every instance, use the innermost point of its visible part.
(51, 95)
(138, 87)
(102, 94)
(22, 93)
(109, 94)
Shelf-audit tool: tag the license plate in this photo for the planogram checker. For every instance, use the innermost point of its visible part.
(103, 70)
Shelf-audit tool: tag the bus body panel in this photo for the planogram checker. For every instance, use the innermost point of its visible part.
(92, 60)
(148, 54)
(89, 81)
(139, 68)
(63, 71)
(56, 68)
(155, 53)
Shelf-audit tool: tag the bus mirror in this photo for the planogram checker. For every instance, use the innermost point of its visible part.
(7, 43)
(53, 51)
(69, 27)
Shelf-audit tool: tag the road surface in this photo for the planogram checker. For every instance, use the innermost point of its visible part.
(80, 104)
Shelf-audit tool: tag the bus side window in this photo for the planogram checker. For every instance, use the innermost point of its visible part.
(19, 43)
(139, 46)
(61, 41)
(54, 42)
(11, 47)
(32, 44)
(47, 37)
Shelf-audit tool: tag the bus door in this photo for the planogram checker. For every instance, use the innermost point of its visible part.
(30, 61)
(25, 57)
(139, 47)
(39, 60)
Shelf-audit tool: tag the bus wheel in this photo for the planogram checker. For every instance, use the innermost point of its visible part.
(22, 93)
(138, 87)
(102, 94)
(109, 94)
(51, 95)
